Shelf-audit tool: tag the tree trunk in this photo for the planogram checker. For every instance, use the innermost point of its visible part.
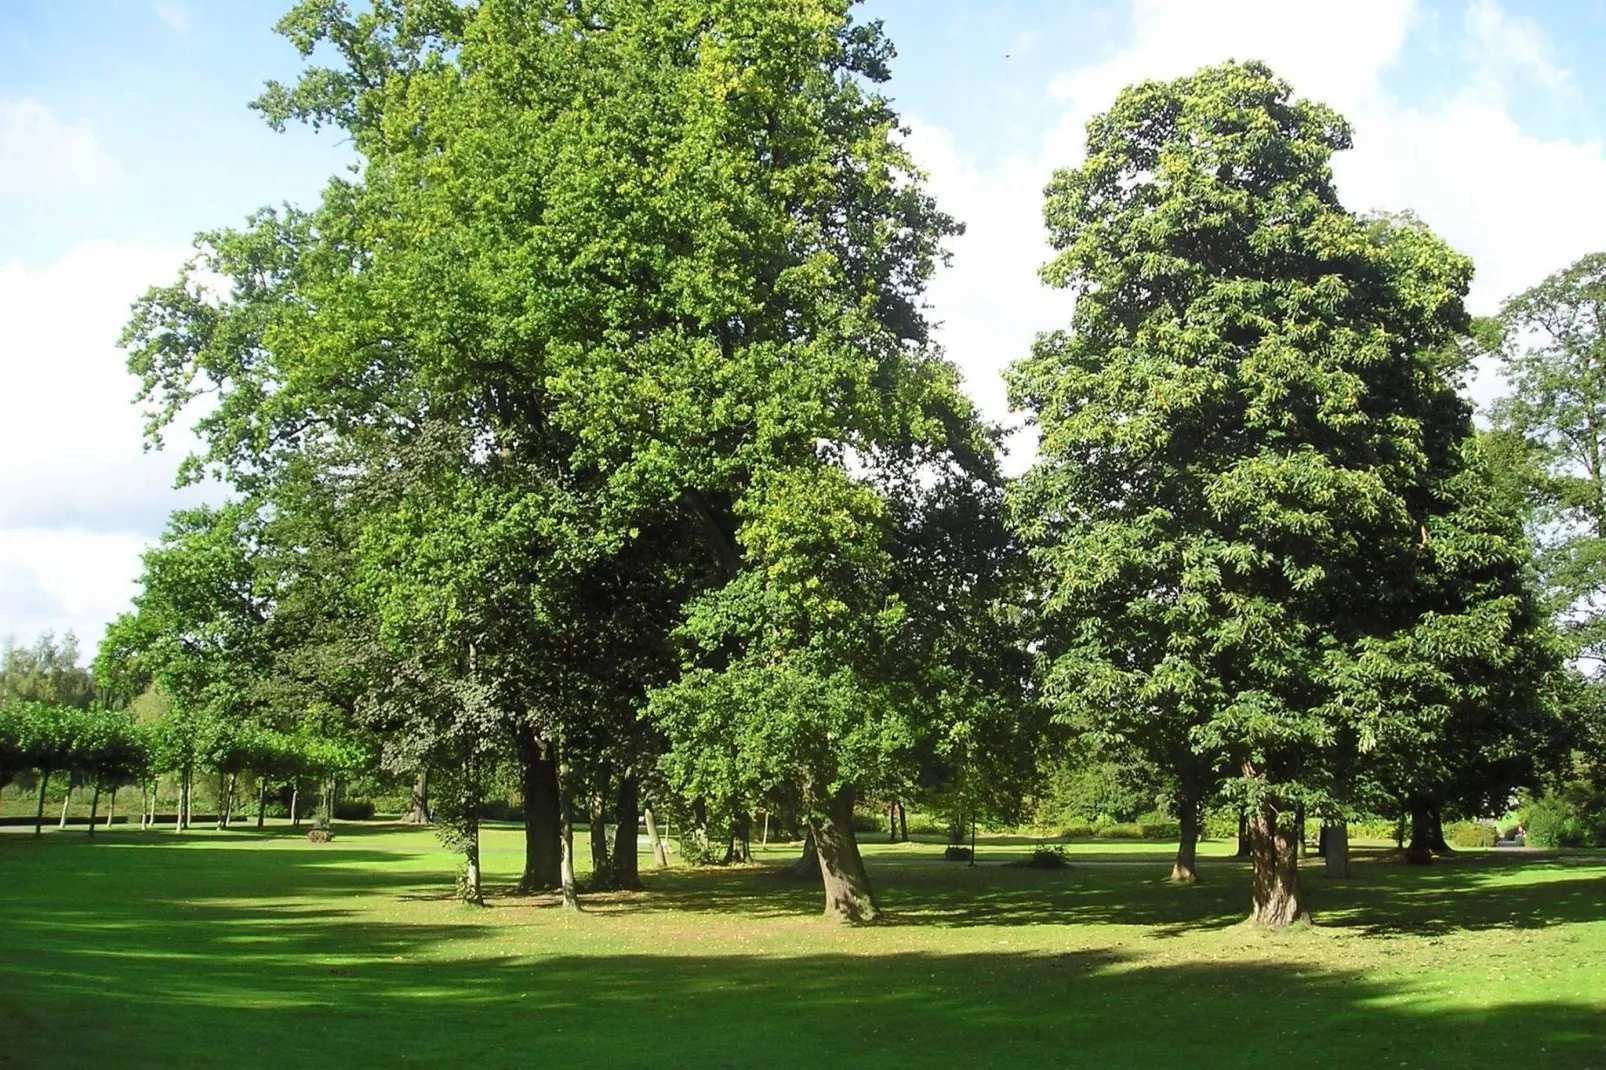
(189, 798)
(111, 807)
(94, 808)
(178, 806)
(597, 820)
(543, 835)
(39, 811)
(903, 823)
(764, 836)
(262, 801)
(1278, 899)
(892, 822)
(571, 900)
(1436, 832)
(1186, 870)
(1335, 839)
(419, 812)
(624, 864)
(740, 848)
(808, 864)
(1299, 829)
(848, 896)
(1243, 834)
(66, 800)
(660, 856)
(1420, 851)
(144, 805)
(699, 827)
(472, 892)
(295, 804)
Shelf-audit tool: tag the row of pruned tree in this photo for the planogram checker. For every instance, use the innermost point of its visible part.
(594, 424)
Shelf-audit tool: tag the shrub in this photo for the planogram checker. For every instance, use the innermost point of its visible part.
(863, 822)
(1046, 856)
(319, 835)
(354, 810)
(1472, 834)
(956, 854)
(1077, 832)
(1119, 831)
(1552, 823)
(698, 851)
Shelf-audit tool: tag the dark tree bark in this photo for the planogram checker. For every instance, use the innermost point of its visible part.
(892, 822)
(1278, 898)
(624, 865)
(1420, 851)
(1243, 834)
(1335, 843)
(597, 821)
(660, 855)
(1299, 830)
(262, 801)
(740, 847)
(418, 811)
(94, 808)
(543, 834)
(1186, 869)
(848, 896)
(39, 811)
(1436, 842)
(903, 823)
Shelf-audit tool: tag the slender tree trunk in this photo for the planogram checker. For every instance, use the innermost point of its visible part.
(178, 806)
(597, 819)
(262, 801)
(189, 798)
(543, 833)
(625, 865)
(472, 892)
(699, 825)
(39, 811)
(892, 822)
(571, 899)
(1335, 838)
(848, 896)
(808, 864)
(660, 856)
(764, 837)
(1420, 851)
(111, 807)
(295, 804)
(418, 812)
(94, 808)
(1299, 829)
(1278, 898)
(1186, 869)
(903, 823)
(1243, 834)
(66, 801)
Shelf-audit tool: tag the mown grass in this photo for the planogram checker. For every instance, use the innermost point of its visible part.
(247, 949)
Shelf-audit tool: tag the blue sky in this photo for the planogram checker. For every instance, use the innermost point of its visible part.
(124, 130)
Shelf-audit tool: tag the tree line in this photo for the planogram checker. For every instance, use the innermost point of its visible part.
(593, 427)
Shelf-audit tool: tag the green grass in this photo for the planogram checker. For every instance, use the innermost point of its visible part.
(242, 949)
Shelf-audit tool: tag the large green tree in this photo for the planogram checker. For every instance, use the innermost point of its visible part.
(1241, 436)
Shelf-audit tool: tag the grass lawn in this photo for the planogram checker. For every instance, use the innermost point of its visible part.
(246, 949)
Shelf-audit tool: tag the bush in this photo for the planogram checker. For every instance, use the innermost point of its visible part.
(1077, 832)
(1552, 823)
(863, 822)
(354, 810)
(1046, 856)
(956, 854)
(1471, 834)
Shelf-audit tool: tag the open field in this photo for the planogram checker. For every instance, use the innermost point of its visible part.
(246, 949)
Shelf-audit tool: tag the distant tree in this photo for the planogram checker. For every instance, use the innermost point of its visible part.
(49, 672)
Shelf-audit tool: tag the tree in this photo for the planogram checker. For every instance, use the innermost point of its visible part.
(46, 672)
(1240, 435)
(1551, 343)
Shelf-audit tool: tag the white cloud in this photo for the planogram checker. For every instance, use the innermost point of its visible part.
(1521, 205)
(42, 157)
(78, 494)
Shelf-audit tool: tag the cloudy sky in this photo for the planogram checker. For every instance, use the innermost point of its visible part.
(123, 130)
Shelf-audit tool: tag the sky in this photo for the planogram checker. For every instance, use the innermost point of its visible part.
(124, 131)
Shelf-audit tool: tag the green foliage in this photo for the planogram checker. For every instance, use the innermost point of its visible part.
(47, 672)
(1553, 822)
(1471, 834)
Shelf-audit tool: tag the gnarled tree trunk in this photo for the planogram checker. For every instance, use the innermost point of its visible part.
(1278, 899)
(625, 866)
(543, 836)
(1335, 841)
(1185, 869)
(848, 896)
